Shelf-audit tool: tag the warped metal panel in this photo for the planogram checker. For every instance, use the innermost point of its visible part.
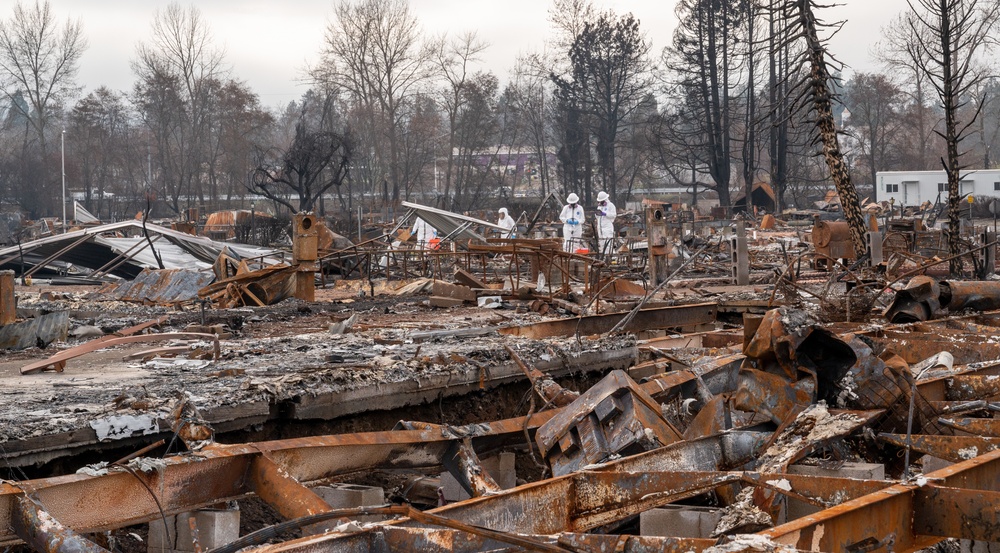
(458, 227)
(166, 286)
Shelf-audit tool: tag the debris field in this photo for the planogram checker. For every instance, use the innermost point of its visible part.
(710, 386)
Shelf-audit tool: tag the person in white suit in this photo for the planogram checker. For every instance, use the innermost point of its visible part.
(572, 217)
(507, 222)
(424, 233)
(606, 213)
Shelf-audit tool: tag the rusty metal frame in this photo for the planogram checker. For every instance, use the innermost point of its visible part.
(645, 319)
(224, 472)
(912, 514)
(59, 360)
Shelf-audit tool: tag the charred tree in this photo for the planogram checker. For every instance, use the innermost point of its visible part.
(315, 162)
(817, 91)
(954, 35)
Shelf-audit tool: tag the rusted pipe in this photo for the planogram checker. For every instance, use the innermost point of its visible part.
(280, 490)
(45, 534)
(978, 295)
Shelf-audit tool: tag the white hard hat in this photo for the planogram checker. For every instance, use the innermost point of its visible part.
(601, 196)
(572, 199)
(503, 210)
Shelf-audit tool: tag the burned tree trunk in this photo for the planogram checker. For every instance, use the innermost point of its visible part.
(822, 101)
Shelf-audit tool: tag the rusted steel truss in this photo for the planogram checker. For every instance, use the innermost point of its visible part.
(957, 501)
(276, 470)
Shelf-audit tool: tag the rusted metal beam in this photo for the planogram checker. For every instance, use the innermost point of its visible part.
(827, 489)
(887, 514)
(59, 359)
(645, 319)
(568, 499)
(968, 387)
(951, 448)
(283, 492)
(588, 500)
(45, 534)
(220, 472)
(443, 540)
(981, 427)
(957, 513)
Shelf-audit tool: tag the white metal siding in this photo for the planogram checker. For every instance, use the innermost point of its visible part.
(915, 187)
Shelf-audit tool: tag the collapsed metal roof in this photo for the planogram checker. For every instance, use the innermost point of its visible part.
(458, 228)
(121, 256)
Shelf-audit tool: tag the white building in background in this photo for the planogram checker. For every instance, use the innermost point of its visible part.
(912, 188)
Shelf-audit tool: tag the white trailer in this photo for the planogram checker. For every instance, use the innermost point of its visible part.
(912, 188)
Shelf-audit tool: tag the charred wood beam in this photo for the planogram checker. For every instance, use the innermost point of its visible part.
(463, 463)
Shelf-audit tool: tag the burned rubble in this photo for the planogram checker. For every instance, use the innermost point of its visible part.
(505, 395)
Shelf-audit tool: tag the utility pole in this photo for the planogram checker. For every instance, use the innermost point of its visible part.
(63, 148)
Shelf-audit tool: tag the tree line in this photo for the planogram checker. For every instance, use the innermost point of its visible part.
(395, 114)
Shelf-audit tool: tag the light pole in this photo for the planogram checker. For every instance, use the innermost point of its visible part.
(63, 144)
(252, 225)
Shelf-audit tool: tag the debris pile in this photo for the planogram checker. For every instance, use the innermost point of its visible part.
(705, 386)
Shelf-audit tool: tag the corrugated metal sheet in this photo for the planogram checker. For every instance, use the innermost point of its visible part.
(182, 251)
(166, 286)
(39, 331)
(458, 227)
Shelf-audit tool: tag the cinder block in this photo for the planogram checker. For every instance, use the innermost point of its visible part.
(932, 463)
(439, 301)
(346, 496)
(216, 527)
(860, 471)
(679, 521)
(638, 372)
(444, 289)
(500, 467)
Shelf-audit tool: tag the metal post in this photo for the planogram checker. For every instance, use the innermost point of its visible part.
(63, 148)
(253, 227)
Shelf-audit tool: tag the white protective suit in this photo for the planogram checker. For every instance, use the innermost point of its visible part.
(572, 217)
(508, 224)
(424, 233)
(606, 214)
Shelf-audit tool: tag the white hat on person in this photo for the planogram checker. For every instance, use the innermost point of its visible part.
(601, 196)
(572, 199)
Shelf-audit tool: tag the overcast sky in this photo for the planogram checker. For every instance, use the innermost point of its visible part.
(269, 42)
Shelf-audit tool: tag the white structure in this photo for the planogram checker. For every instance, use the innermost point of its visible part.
(912, 188)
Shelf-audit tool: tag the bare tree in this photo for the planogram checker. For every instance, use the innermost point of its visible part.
(900, 51)
(568, 18)
(874, 104)
(38, 64)
(610, 76)
(454, 59)
(373, 50)
(531, 98)
(814, 93)
(179, 65)
(704, 59)
(315, 162)
(100, 124)
(955, 35)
